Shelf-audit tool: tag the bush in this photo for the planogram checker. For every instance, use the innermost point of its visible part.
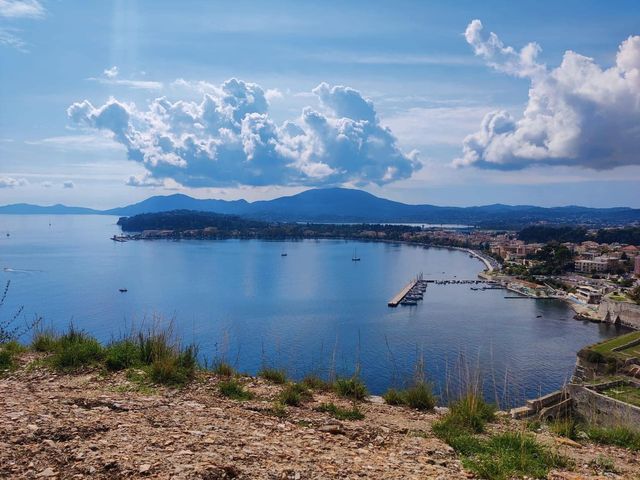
(594, 357)
(122, 354)
(419, 397)
(352, 388)
(233, 389)
(76, 349)
(274, 375)
(294, 394)
(340, 413)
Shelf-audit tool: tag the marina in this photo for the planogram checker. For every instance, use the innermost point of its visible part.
(411, 294)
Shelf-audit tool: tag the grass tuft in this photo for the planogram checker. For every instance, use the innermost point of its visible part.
(340, 413)
(352, 388)
(294, 394)
(76, 349)
(620, 436)
(223, 369)
(274, 375)
(233, 389)
(314, 382)
(122, 354)
(510, 455)
(419, 396)
(44, 340)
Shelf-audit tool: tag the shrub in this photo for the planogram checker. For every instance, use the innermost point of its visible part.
(294, 394)
(352, 388)
(232, 389)
(340, 413)
(223, 369)
(76, 349)
(419, 397)
(122, 354)
(274, 375)
(594, 357)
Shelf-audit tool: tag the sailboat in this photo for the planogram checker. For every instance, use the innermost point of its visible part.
(355, 257)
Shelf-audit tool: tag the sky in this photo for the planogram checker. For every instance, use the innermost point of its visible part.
(105, 103)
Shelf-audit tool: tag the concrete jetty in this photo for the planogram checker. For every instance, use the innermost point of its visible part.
(395, 301)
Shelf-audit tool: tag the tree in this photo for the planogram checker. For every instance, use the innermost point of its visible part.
(634, 294)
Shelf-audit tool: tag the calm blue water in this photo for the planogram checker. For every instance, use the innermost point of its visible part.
(306, 311)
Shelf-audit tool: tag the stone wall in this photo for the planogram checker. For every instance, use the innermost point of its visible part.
(624, 313)
(602, 410)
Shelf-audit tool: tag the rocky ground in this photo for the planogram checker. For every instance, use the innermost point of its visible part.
(93, 425)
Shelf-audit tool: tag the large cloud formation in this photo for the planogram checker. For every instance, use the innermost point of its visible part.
(577, 114)
(229, 139)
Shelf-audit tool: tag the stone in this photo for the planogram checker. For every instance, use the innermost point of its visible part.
(332, 428)
(47, 473)
(144, 468)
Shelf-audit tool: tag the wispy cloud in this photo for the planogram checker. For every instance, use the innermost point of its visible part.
(13, 10)
(111, 77)
(393, 59)
(21, 9)
(90, 142)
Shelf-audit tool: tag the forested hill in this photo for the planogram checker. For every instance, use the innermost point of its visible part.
(342, 205)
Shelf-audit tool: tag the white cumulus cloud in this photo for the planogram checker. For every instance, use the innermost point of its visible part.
(10, 182)
(229, 139)
(577, 114)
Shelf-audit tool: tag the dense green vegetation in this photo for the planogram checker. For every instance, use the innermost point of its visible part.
(554, 259)
(561, 234)
(184, 222)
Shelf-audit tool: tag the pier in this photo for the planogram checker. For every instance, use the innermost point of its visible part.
(410, 294)
(395, 301)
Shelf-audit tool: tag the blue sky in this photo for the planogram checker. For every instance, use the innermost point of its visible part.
(391, 97)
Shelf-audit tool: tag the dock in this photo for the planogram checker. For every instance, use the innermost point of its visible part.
(395, 301)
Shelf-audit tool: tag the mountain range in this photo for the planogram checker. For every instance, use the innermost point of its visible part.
(351, 205)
